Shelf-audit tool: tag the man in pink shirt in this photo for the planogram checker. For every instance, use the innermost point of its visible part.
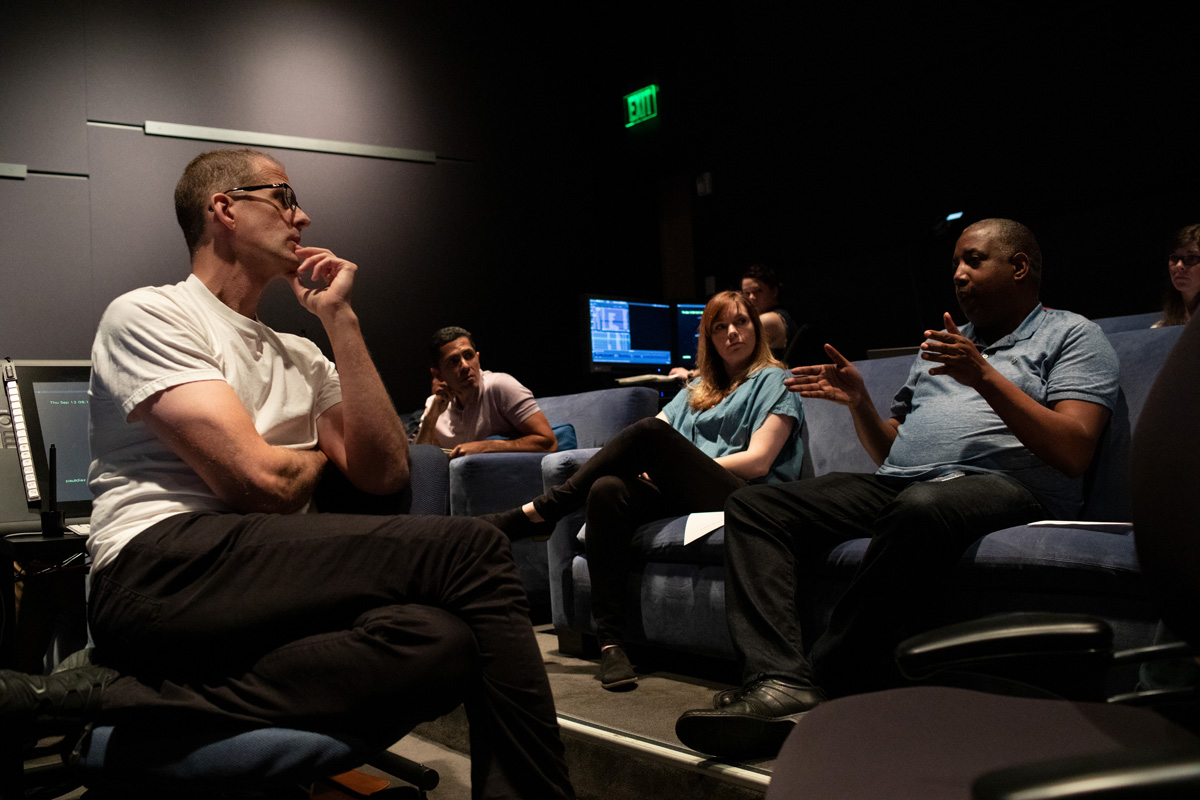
(470, 404)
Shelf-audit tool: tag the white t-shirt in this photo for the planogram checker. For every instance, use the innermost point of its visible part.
(155, 338)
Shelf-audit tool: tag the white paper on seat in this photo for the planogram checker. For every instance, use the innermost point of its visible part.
(702, 523)
(1091, 525)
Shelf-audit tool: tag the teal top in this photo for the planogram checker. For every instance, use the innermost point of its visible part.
(727, 427)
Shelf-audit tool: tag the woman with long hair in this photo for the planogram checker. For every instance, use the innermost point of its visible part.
(735, 424)
(1183, 271)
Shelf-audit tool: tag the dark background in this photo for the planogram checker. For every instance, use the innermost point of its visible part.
(834, 143)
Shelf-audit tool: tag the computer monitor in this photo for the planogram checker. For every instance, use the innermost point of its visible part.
(687, 333)
(627, 335)
(48, 404)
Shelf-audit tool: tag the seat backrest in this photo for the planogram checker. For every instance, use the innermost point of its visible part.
(1129, 322)
(1165, 486)
(1141, 353)
(600, 415)
(830, 443)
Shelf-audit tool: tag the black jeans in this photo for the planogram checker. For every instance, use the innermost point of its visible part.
(682, 480)
(918, 531)
(358, 625)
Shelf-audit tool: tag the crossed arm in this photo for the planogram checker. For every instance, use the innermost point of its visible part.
(536, 434)
(206, 425)
(536, 437)
(764, 447)
(1064, 434)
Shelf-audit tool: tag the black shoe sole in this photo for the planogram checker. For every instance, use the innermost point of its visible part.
(738, 736)
(621, 685)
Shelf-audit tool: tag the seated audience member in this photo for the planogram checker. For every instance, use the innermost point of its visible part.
(470, 404)
(736, 424)
(1183, 272)
(761, 286)
(216, 602)
(994, 427)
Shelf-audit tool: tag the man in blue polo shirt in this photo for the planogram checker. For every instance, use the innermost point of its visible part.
(994, 428)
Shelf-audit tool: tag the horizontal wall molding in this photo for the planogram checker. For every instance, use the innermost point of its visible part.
(255, 138)
(14, 171)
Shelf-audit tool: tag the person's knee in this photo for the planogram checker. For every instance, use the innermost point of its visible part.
(608, 492)
(430, 641)
(479, 536)
(746, 509)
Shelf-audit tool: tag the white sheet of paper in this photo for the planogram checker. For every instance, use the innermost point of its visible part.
(702, 523)
(1110, 527)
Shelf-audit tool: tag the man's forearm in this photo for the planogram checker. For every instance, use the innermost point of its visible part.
(427, 433)
(284, 482)
(874, 433)
(375, 442)
(1064, 441)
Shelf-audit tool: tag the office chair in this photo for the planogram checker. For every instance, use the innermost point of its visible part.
(141, 761)
(943, 741)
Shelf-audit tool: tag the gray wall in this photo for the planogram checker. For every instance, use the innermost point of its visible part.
(94, 218)
(835, 141)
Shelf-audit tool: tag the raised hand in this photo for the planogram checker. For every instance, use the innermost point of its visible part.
(956, 355)
(333, 276)
(839, 382)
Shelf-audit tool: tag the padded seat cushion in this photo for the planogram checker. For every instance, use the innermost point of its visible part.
(263, 756)
(962, 736)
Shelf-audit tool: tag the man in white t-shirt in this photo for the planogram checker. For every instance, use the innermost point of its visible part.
(215, 599)
(470, 404)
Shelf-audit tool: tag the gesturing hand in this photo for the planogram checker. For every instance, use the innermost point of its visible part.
(333, 276)
(839, 382)
(957, 355)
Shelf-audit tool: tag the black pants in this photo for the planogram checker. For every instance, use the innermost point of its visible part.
(918, 532)
(348, 624)
(682, 480)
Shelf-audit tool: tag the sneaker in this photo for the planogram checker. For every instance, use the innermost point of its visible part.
(616, 673)
(58, 701)
(722, 699)
(752, 726)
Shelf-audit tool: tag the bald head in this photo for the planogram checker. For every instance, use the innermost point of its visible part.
(1012, 238)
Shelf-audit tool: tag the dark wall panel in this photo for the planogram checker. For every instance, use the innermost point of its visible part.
(42, 103)
(45, 265)
(366, 72)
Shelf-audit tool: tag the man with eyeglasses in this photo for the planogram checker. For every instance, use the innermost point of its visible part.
(994, 427)
(214, 597)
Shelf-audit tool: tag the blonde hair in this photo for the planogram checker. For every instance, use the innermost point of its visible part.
(715, 384)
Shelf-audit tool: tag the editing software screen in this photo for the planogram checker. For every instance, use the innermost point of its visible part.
(627, 333)
(62, 413)
(687, 332)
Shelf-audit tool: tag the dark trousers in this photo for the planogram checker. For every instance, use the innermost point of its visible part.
(917, 530)
(358, 625)
(682, 480)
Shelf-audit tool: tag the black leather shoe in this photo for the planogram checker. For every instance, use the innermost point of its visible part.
(752, 726)
(54, 702)
(722, 699)
(616, 673)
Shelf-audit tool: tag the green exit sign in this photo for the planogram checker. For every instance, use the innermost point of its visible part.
(641, 105)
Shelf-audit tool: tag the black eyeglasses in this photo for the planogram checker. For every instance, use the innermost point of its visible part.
(289, 194)
(1188, 260)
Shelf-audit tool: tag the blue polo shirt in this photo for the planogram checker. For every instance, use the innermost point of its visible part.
(946, 427)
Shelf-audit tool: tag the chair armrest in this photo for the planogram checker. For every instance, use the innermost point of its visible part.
(1006, 638)
(1172, 772)
(430, 480)
(488, 482)
(427, 491)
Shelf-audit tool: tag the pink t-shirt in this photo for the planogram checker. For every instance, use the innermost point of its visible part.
(501, 404)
